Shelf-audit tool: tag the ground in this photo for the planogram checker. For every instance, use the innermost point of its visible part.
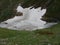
(38, 37)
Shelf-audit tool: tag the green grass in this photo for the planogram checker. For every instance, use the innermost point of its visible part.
(31, 37)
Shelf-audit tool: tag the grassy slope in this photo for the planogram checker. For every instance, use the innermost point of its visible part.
(31, 37)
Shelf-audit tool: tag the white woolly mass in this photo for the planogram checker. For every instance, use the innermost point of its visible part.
(31, 20)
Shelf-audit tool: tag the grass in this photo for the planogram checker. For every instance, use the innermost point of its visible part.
(38, 37)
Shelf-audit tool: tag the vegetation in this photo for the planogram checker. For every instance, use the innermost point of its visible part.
(14, 37)
(53, 11)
